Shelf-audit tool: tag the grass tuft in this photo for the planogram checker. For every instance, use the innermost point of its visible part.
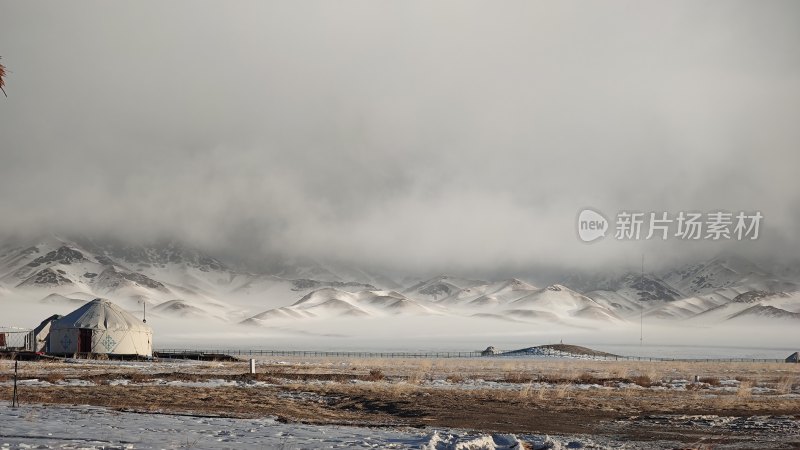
(642, 380)
(713, 381)
(376, 375)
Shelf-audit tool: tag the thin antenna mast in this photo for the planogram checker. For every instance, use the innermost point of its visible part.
(641, 311)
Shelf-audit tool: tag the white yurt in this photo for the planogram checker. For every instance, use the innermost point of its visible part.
(100, 327)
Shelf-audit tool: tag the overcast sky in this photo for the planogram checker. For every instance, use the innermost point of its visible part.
(406, 134)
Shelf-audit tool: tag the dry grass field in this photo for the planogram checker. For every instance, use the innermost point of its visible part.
(513, 395)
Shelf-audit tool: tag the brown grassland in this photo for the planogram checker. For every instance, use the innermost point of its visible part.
(486, 394)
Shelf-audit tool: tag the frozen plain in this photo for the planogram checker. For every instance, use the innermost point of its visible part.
(86, 427)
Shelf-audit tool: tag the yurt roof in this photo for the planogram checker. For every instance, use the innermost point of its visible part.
(101, 314)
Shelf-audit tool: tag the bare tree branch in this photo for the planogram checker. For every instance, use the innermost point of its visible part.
(2, 81)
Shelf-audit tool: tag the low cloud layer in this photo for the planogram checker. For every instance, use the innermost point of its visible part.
(407, 135)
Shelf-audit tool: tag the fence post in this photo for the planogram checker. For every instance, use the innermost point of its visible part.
(14, 401)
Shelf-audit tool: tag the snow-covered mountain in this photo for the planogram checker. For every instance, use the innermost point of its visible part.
(175, 280)
(179, 282)
(441, 287)
(721, 273)
(511, 299)
(754, 304)
(334, 272)
(490, 294)
(331, 302)
(701, 290)
(564, 302)
(630, 293)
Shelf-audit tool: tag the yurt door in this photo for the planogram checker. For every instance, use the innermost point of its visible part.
(85, 341)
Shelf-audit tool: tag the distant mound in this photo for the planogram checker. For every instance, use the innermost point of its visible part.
(576, 350)
(558, 350)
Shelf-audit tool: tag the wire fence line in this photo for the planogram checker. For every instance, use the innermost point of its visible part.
(305, 353)
(187, 353)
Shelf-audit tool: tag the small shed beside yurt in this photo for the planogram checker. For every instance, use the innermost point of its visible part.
(39, 339)
(101, 327)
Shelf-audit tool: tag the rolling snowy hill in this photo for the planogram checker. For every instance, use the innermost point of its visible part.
(331, 302)
(176, 282)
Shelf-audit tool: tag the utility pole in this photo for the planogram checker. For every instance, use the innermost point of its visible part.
(641, 311)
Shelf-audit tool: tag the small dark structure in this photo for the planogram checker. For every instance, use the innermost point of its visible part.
(490, 350)
(793, 358)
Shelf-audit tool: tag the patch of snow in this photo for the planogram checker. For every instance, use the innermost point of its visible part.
(446, 441)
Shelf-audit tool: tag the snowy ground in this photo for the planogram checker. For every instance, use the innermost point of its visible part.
(56, 427)
(91, 428)
(96, 428)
